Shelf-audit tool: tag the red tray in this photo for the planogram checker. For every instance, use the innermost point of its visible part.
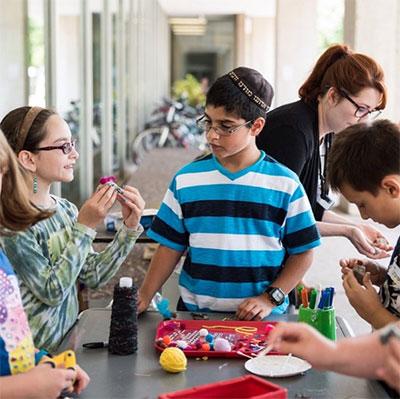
(247, 387)
(246, 336)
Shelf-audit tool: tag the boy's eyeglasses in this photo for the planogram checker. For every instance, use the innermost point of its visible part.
(66, 148)
(206, 125)
(361, 110)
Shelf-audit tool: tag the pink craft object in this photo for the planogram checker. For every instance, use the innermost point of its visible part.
(106, 179)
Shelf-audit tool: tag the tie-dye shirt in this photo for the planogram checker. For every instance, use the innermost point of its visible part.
(17, 352)
(49, 259)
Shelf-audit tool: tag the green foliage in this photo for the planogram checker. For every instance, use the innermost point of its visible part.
(35, 44)
(190, 89)
(330, 17)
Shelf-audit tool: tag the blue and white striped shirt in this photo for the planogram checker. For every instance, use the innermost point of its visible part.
(238, 229)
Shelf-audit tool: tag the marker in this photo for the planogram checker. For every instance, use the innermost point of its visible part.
(95, 345)
(313, 298)
(332, 293)
(304, 297)
(322, 300)
(319, 293)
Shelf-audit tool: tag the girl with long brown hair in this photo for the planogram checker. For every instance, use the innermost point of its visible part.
(19, 376)
(59, 249)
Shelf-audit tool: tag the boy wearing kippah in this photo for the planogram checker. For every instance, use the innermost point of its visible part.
(242, 218)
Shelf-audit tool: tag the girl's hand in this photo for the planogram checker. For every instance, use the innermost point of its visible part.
(303, 341)
(46, 382)
(81, 381)
(132, 205)
(95, 209)
(390, 371)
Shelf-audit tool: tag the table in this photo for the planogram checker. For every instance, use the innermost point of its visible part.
(140, 376)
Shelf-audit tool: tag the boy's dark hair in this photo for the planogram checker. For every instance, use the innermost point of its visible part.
(363, 154)
(231, 91)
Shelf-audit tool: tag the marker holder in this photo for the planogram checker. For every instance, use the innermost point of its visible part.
(324, 320)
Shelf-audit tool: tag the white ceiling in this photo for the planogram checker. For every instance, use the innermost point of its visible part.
(257, 8)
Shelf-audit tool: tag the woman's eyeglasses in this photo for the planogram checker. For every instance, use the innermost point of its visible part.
(66, 148)
(361, 110)
(206, 126)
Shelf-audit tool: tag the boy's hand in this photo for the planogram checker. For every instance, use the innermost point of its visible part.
(363, 298)
(132, 205)
(303, 341)
(376, 271)
(256, 308)
(142, 303)
(390, 371)
(95, 209)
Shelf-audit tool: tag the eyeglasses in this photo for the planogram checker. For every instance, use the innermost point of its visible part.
(206, 125)
(66, 148)
(361, 110)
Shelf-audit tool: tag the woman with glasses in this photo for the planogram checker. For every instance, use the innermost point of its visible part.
(344, 88)
(53, 255)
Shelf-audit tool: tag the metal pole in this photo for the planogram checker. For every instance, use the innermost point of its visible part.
(121, 87)
(50, 43)
(106, 90)
(86, 109)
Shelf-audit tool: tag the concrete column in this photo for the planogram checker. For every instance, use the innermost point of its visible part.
(374, 29)
(12, 48)
(296, 46)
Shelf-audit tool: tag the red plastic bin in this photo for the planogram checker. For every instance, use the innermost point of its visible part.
(246, 387)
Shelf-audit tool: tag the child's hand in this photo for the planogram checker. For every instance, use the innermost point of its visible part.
(132, 205)
(81, 381)
(95, 209)
(370, 242)
(142, 303)
(376, 271)
(390, 371)
(47, 382)
(303, 341)
(363, 298)
(256, 308)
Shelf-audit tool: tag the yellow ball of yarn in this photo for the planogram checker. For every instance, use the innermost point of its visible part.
(173, 360)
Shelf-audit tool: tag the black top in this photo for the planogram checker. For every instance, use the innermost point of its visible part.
(291, 137)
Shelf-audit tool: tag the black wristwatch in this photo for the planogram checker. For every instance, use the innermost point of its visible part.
(276, 295)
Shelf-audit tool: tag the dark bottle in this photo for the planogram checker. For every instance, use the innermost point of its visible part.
(123, 326)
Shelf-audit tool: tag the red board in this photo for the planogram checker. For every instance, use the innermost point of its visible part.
(248, 337)
(247, 387)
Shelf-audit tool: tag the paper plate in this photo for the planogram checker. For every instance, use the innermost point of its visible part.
(277, 366)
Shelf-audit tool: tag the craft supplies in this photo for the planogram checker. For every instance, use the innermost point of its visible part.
(265, 351)
(162, 305)
(359, 273)
(277, 366)
(123, 326)
(319, 313)
(241, 330)
(214, 338)
(95, 345)
(173, 360)
(222, 345)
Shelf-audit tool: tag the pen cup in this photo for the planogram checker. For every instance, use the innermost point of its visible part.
(324, 320)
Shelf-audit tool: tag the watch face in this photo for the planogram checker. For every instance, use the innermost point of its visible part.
(277, 295)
